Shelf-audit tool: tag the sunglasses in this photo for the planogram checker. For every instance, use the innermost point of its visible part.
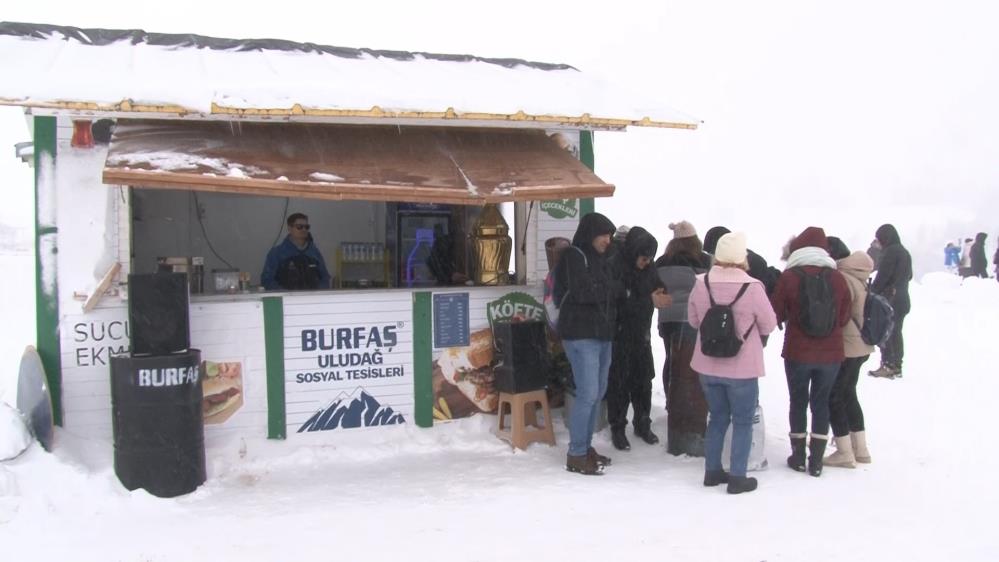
(302, 226)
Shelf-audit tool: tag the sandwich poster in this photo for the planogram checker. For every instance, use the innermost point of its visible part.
(463, 377)
(222, 389)
(349, 367)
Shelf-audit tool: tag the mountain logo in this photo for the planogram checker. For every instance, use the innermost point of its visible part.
(347, 413)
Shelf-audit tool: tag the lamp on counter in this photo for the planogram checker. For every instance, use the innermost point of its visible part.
(83, 137)
(491, 245)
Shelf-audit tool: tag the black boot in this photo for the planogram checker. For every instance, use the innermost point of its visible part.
(645, 434)
(740, 484)
(619, 440)
(715, 477)
(797, 459)
(816, 448)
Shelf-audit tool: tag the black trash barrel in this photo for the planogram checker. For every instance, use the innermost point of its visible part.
(159, 433)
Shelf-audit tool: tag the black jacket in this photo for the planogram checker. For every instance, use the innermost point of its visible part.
(979, 264)
(758, 268)
(894, 270)
(635, 308)
(587, 288)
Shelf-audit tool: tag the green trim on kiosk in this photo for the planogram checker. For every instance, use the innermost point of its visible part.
(423, 386)
(274, 352)
(46, 235)
(586, 157)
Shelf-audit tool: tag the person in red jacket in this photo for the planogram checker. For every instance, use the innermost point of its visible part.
(813, 340)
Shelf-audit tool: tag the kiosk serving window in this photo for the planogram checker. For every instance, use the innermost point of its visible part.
(386, 206)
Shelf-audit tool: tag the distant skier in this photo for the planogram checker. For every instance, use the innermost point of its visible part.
(952, 257)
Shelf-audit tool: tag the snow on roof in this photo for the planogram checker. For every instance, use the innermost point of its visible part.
(134, 71)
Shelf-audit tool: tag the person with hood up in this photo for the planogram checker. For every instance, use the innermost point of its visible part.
(979, 263)
(682, 261)
(587, 292)
(845, 414)
(811, 362)
(632, 369)
(758, 268)
(892, 282)
(731, 384)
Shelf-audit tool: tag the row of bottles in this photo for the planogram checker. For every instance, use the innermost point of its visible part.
(362, 251)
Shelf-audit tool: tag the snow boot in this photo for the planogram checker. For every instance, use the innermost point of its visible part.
(740, 484)
(645, 434)
(882, 372)
(619, 440)
(601, 460)
(859, 441)
(896, 371)
(715, 477)
(816, 448)
(583, 464)
(843, 457)
(797, 459)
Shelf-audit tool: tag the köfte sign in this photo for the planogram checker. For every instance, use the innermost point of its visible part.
(515, 307)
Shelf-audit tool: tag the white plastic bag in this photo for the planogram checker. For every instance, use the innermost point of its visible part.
(757, 454)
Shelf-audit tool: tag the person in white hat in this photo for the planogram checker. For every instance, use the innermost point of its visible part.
(730, 383)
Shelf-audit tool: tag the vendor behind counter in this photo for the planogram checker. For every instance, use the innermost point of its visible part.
(295, 264)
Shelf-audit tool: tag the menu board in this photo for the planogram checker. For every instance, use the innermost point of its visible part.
(451, 320)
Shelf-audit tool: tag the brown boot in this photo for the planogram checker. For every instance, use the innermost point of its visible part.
(583, 464)
(601, 459)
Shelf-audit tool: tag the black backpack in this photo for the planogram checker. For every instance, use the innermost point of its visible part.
(718, 337)
(879, 319)
(817, 312)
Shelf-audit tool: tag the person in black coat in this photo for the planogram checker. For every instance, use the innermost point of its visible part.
(587, 292)
(892, 282)
(758, 268)
(979, 263)
(632, 370)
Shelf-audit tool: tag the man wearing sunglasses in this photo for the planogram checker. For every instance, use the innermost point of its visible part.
(295, 264)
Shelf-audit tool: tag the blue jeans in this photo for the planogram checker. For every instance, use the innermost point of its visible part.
(590, 361)
(729, 400)
(809, 385)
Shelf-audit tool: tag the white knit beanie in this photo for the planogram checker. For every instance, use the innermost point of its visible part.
(731, 248)
(682, 229)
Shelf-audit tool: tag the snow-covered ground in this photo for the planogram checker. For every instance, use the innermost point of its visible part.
(457, 492)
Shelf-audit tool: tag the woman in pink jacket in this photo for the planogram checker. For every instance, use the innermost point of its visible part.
(731, 384)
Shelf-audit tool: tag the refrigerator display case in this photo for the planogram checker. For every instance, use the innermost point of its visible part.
(416, 227)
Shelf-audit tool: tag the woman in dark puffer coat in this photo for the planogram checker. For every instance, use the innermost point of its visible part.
(892, 282)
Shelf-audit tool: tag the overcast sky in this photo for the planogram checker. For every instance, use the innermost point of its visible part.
(840, 114)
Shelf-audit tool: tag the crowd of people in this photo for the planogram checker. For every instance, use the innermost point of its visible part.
(716, 302)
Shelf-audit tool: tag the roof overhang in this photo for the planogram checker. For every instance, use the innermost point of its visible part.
(135, 74)
(346, 162)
